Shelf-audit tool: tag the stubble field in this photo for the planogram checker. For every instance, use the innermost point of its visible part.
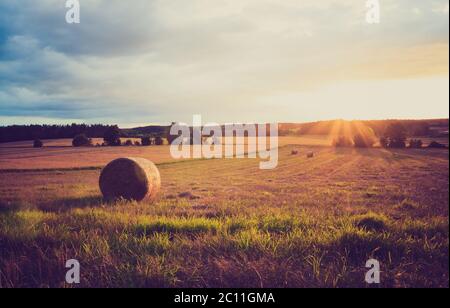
(225, 223)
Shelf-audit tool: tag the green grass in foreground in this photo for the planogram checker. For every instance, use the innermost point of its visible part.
(238, 250)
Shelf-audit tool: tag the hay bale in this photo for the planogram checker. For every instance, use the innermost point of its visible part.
(310, 155)
(130, 179)
(294, 152)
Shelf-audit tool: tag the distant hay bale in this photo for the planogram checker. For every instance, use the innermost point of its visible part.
(38, 143)
(130, 179)
(294, 152)
(310, 154)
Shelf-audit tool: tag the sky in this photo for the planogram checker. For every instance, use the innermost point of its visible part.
(140, 62)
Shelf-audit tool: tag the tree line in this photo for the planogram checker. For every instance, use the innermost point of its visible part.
(394, 137)
(422, 128)
(33, 132)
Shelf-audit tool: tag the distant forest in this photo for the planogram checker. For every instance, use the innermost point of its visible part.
(415, 128)
(31, 132)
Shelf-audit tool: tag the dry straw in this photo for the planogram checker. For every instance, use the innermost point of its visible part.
(130, 179)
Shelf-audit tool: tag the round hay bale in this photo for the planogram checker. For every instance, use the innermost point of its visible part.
(310, 154)
(130, 179)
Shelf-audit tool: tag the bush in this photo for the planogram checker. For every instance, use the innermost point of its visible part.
(38, 143)
(129, 143)
(437, 145)
(81, 141)
(137, 143)
(415, 144)
(363, 142)
(342, 142)
(397, 144)
(146, 141)
(112, 136)
(384, 142)
(159, 141)
(396, 135)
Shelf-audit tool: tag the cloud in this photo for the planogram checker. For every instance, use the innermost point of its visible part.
(140, 60)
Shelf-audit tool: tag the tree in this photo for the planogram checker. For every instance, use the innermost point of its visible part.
(112, 136)
(146, 141)
(37, 143)
(384, 142)
(159, 141)
(363, 142)
(81, 141)
(415, 144)
(343, 142)
(396, 134)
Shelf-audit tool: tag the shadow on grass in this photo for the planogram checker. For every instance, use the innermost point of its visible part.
(67, 204)
(12, 207)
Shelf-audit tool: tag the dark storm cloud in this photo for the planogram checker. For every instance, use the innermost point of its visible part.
(107, 28)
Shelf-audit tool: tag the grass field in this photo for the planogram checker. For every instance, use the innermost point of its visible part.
(225, 223)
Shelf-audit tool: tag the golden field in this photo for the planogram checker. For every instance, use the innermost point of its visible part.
(225, 223)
